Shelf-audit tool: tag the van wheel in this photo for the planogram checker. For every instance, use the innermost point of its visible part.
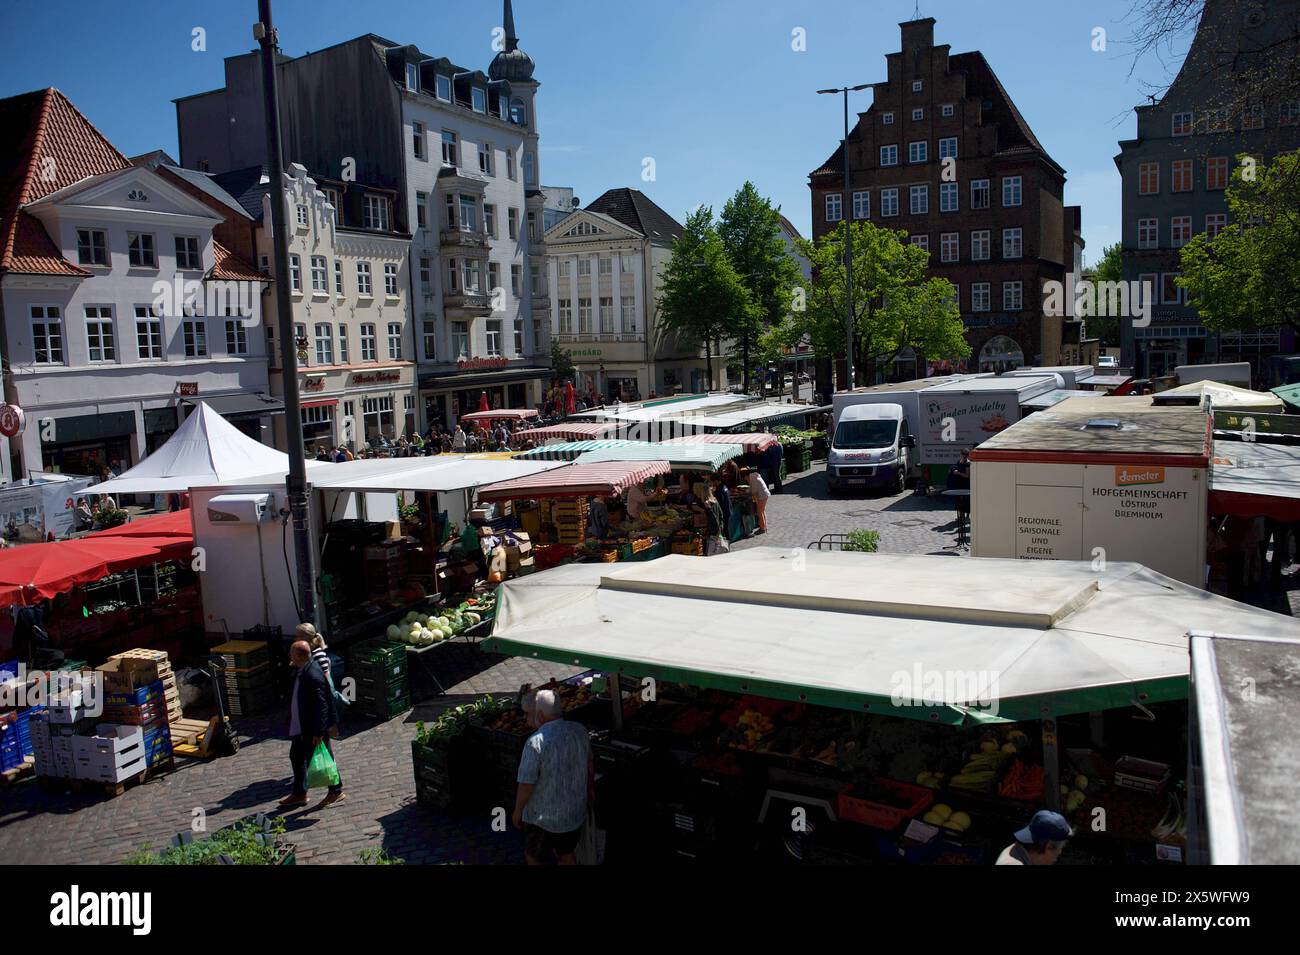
(902, 476)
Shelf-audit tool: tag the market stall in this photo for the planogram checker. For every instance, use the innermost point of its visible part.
(910, 715)
(763, 452)
(490, 419)
(570, 450)
(571, 431)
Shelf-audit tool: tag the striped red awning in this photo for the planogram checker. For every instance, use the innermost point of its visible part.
(753, 442)
(572, 431)
(599, 479)
(318, 403)
(501, 414)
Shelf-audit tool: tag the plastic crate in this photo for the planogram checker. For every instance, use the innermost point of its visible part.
(137, 697)
(389, 691)
(878, 815)
(24, 724)
(380, 652)
(383, 709)
(377, 672)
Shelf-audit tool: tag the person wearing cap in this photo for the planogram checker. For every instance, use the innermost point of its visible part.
(1040, 842)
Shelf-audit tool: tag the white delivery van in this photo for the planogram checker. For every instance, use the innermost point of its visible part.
(964, 414)
(871, 447)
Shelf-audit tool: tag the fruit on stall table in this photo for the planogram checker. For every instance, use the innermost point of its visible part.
(929, 780)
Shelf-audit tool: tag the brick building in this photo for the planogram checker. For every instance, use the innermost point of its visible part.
(996, 225)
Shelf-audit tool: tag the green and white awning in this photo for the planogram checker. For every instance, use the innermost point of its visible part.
(569, 450)
(682, 457)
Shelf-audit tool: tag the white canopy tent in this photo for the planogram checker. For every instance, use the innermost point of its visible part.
(206, 450)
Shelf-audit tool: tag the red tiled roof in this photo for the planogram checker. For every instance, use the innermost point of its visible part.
(228, 265)
(45, 145)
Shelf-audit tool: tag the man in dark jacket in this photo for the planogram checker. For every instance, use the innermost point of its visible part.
(312, 715)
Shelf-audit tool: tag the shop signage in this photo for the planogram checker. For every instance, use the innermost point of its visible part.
(12, 420)
(188, 389)
(1126, 475)
(482, 363)
(586, 353)
(314, 384)
(374, 377)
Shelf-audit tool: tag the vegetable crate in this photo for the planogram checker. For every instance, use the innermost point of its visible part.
(905, 801)
(381, 653)
(387, 691)
(375, 673)
(242, 654)
(382, 708)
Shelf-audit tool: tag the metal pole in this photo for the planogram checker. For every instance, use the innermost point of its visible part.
(296, 481)
(846, 214)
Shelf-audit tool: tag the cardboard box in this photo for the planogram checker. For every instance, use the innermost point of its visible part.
(112, 772)
(112, 743)
(393, 530)
(125, 675)
(69, 708)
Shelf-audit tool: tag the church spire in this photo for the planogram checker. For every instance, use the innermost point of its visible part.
(512, 41)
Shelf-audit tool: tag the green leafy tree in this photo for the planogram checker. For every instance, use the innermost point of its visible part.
(1102, 324)
(701, 295)
(895, 304)
(1247, 277)
(561, 362)
(750, 229)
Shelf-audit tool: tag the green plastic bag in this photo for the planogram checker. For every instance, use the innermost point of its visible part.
(321, 771)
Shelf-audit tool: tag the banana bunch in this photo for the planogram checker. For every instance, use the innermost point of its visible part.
(980, 772)
(1174, 822)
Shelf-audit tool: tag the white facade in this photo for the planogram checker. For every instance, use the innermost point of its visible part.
(99, 363)
(350, 293)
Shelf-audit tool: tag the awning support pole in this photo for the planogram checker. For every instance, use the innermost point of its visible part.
(1051, 766)
(615, 681)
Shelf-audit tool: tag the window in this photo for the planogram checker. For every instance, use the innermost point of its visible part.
(492, 338)
(946, 110)
(413, 77)
(889, 202)
(584, 316)
(918, 115)
(319, 274)
(295, 273)
(1170, 293)
(494, 276)
(536, 281)
(889, 155)
(563, 269)
(92, 247)
(517, 280)
(532, 226)
(369, 346)
(920, 241)
(1252, 117)
(1013, 296)
(1288, 114)
(606, 315)
(449, 148)
(236, 338)
(833, 212)
(519, 336)
(478, 99)
(377, 416)
(948, 147)
(453, 273)
(426, 273)
(512, 223)
(332, 196)
(887, 119)
(629, 313)
(1214, 223)
(442, 84)
(485, 159)
(566, 316)
(376, 213)
(421, 210)
(490, 219)
(919, 200)
(343, 343)
(195, 333)
(187, 253)
(338, 277)
(302, 216)
(1216, 172)
(979, 297)
(460, 339)
(949, 197)
(324, 344)
(1012, 243)
(862, 205)
(980, 245)
(139, 250)
(430, 339)
(148, 334)
(395, 340)
(363, 279)
(390, 279)
(1011, 191)
(584, 266)
(916, 86)
(1180, 231)
(1149, 283)
(510, 164)
(99, 333)
(979, 194)
(949, 247)
(917, 152)
(1217, 120)
(473, 276)
(1148, 233)
(1182, 124)
(530, 169)
(1181, 178)
(1148, 178)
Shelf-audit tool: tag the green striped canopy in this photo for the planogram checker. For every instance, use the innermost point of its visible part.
(569, 450)
(681, 457)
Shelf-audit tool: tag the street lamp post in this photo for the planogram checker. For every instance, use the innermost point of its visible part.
(845, 205)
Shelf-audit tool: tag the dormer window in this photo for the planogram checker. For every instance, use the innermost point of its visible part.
(444, 88)
(376, 213)
(478, 97)
(518, 114)
(413, 77)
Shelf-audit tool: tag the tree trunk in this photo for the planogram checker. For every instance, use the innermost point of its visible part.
(744, 358)
(708, 363)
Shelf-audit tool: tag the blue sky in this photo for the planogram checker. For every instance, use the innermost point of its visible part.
(711, 89)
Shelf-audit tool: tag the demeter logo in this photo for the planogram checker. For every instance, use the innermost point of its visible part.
(1125, 475)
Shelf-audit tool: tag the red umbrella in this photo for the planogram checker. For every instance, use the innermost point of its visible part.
(483, 401)
(570, 405)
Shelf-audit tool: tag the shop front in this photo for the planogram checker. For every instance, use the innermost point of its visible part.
(447, 395)
(349, 407)
(86, 444)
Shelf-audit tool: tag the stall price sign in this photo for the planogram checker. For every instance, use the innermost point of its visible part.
(12, 420)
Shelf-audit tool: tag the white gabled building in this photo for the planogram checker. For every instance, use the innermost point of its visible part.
(120, 307)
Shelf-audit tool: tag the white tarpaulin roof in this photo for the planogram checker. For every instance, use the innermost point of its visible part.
(205, 450)
(850, 630)
(1222, 396)
(440, 472)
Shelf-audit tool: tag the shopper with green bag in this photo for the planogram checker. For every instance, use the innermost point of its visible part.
(312, 717)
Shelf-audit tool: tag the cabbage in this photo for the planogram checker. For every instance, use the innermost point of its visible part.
(393, 632)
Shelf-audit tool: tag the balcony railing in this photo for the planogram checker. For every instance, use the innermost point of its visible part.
(467, 301)
(462, 238)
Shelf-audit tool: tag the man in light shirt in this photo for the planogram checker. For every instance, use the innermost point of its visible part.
(554, 783)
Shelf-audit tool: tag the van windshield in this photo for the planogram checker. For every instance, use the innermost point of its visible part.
(873, 433)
